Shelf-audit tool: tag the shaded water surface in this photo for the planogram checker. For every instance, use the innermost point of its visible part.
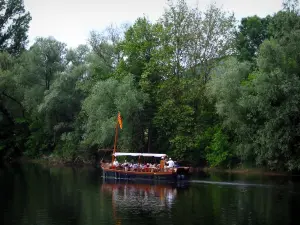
(35, 195)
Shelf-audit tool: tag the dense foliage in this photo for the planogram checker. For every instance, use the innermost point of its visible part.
(192, 84)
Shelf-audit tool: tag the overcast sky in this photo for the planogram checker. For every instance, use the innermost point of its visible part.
(70, 21)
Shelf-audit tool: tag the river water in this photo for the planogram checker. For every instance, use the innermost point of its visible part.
(37, 195)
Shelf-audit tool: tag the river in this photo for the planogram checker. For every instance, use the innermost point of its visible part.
(37, 195)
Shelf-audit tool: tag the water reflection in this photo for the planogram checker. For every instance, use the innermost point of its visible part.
(143, 197)
(134, 203)
(31, 195)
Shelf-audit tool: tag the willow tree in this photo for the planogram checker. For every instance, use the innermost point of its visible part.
(192, 42)
(101, 108)
(14, 25)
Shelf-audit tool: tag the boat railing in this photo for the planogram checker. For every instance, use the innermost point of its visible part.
(136, 169)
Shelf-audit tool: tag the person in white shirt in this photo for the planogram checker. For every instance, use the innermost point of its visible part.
(170, 163)
(116, 163)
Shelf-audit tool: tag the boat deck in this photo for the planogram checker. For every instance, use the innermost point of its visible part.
(145, 173)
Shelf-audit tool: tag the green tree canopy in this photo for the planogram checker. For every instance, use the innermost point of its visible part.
(102, 106)
(14, 25)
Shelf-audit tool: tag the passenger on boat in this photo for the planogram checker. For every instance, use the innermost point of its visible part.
(116, 163)
(170, 163)
(125, 163)
(176, 164)
(162, 163)
(135, 166)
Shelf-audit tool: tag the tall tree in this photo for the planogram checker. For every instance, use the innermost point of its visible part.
(104, 44)
(46, 57)
(192, 42)
(12, 111)
(101, 107)
(37, 71)
(212, 33)
(286, 20)
(252, 32)
(14, 24)
(196, 39)
(138, 49)
(262, 107)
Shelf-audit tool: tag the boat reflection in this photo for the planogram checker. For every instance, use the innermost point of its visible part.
(144, 196)
(144, 200)
(154, 197)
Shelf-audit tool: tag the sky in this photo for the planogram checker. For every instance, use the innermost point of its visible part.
(70, 21)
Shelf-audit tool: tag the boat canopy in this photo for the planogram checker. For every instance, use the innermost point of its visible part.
(139, 154)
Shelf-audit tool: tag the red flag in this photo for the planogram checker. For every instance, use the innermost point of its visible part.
(120, 120)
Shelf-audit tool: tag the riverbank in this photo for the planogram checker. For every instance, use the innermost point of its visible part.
(246, 171)
(56, 161)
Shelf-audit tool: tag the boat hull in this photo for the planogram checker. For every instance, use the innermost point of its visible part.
(179, 174)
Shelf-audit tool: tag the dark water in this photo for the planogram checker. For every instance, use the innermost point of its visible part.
(35, 195)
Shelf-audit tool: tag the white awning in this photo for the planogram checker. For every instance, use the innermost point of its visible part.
(139, 154)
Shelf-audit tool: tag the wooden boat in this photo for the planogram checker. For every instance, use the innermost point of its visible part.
(139, 172)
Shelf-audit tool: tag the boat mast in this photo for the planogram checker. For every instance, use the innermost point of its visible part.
(118, 123)
(115, 144)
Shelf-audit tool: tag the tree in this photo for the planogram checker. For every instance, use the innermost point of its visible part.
(13, 117)
(176, 21)
(61, 107)
(262, 108)
(14, 24)
(101, 108)
(104, 56)
(77, 56)
(36, 71)
(252, 32)
(138, 49)
(277, 99)
(138, 45)
(212, 33)
(225, 90)
(105, 44)
(192, 42)
(46, 58)
(218, 153)
(196, 40)
(286, 20)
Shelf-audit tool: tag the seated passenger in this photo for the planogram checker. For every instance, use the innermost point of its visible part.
(125, 163)
(135, 166)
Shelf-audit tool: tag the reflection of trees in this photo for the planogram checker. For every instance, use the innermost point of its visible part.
(56, 196)
(214, 204)
(8, 181)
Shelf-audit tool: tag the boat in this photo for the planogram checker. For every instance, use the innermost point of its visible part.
(139, 171)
